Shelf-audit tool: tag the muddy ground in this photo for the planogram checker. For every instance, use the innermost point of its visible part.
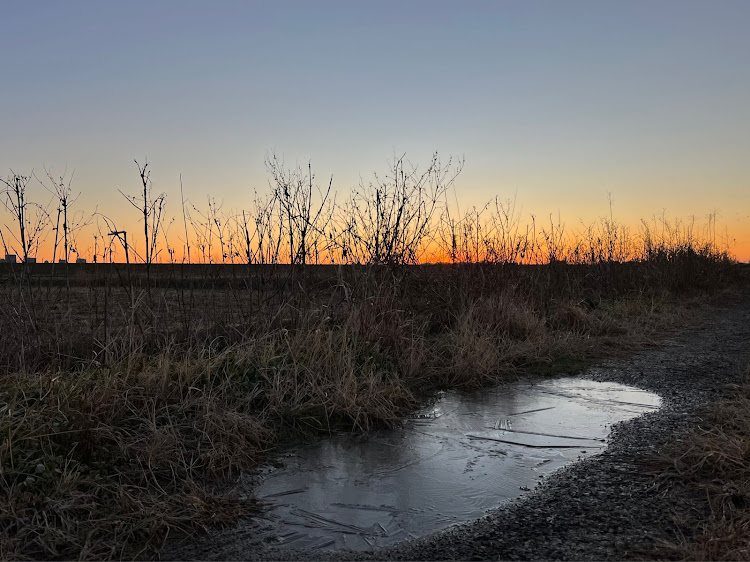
(610, 506)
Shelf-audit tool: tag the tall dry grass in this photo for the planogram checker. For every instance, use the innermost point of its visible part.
(131, 394)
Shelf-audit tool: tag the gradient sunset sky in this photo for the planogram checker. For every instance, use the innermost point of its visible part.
(556, 102)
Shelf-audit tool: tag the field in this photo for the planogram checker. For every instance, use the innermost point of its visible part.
(133, 395)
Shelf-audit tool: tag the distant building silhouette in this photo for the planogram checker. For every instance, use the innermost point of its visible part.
(10, 258)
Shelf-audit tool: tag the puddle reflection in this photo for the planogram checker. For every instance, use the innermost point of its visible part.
(468, 453)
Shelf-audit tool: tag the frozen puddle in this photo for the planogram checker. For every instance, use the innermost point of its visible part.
(467, 454)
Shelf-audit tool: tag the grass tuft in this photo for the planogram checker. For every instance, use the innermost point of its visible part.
(715, 458)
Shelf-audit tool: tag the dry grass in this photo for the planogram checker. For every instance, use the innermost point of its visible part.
(716, 459)
(106, 463)
(125, 423)
(131, 394)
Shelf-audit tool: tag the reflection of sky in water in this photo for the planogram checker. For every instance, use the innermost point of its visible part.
(459, 458)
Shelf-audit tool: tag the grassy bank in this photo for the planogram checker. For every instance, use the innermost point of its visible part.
(715, 458)
(130, 399)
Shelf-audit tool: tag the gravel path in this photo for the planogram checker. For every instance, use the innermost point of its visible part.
(604, 507)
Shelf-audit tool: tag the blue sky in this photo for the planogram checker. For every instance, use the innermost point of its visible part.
(559, 102)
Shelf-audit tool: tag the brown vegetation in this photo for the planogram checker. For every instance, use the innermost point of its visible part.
(130, 394)
(123, 409)
(715, 457)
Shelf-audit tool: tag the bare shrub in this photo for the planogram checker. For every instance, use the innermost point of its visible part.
(388, 220)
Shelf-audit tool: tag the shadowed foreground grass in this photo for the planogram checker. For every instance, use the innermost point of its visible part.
(716, 459)
(122, 433)
(106, 463)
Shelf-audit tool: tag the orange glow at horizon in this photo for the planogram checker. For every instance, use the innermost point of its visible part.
(216, 234)
(736, 241)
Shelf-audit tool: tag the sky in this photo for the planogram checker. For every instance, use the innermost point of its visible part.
(555, 103)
